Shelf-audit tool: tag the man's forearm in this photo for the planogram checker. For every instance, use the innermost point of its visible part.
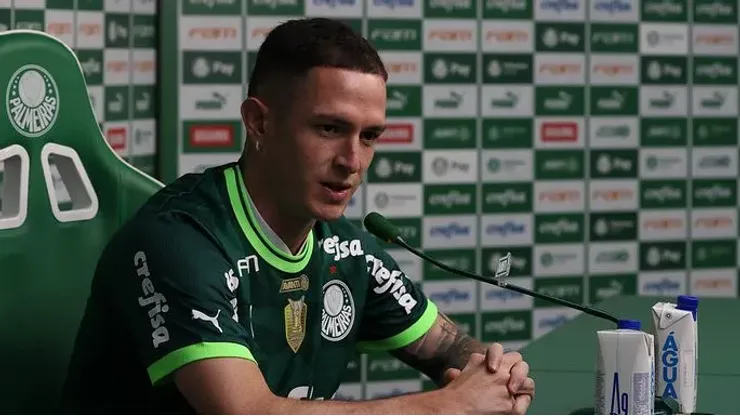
(444, 346)
(413, 404)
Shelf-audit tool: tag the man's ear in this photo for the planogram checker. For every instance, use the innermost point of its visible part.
(254, 116)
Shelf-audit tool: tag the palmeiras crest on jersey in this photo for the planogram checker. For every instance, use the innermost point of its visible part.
(295, 313)
(338, 315)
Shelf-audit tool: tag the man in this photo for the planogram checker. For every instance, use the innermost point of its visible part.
(243, 288)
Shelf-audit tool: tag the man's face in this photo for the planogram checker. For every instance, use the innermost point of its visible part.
(322, 143)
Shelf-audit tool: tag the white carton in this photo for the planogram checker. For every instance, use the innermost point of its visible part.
(676, 351)
(625, 375)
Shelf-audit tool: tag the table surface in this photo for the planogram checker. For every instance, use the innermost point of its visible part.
(563, 362)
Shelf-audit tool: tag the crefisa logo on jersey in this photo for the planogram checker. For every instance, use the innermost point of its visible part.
(391, 282)
(338, 315)
(32, 101)
(341, 250)
(153, 301)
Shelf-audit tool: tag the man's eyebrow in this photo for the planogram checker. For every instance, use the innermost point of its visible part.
(376, 129)
(341, 121)
(332, 119)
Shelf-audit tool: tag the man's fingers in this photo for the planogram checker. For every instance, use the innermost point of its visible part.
(494, 355)
(519, 373)
(475, 360)
(450, 375)
(527, 387)
(509, 360)
(521, 404)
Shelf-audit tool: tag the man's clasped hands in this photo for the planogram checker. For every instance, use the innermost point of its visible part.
(494, 383)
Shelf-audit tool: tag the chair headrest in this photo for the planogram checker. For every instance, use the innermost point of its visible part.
(47, 122)
(46, 97)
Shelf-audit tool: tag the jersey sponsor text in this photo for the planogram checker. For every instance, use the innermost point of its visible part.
(341, 250)
(390, 282)
(159, 307)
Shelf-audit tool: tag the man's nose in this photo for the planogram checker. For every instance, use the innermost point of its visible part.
(349, 155)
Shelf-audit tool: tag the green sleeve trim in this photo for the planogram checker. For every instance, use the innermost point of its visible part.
(411, 334)
(186, 355)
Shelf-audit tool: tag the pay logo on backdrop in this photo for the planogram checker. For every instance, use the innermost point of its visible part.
(450, 166)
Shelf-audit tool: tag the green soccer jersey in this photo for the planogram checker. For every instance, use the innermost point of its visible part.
(193, 276)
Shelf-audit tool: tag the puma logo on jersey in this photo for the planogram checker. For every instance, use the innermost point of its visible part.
(390, 282)
(212, 319)
(341, 250)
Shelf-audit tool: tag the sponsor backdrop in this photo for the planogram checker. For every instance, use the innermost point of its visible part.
(115, 41)
(592, 140)
(596, 141)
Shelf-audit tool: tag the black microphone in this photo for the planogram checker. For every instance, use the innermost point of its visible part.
(380, 227)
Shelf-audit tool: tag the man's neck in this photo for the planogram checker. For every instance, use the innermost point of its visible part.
(292, 230)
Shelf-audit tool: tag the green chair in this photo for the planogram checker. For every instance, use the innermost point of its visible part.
(49, 245)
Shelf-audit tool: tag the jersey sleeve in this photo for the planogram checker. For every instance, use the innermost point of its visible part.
(175, 291)
(396, 312)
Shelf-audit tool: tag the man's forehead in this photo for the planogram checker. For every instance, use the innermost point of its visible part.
(335, 79)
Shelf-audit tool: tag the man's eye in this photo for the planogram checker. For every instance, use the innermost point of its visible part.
(329, 129)
(370, 136)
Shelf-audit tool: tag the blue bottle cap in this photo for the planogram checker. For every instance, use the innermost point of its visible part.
(687, 303)
(628, 324)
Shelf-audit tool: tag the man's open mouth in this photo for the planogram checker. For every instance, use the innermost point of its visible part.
(337, 187)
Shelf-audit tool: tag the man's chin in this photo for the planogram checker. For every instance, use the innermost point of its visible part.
(327, 212)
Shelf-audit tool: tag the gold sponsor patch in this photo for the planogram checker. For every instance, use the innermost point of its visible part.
(294, 284)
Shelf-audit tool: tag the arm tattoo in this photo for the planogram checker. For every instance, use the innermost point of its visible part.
(444, 346)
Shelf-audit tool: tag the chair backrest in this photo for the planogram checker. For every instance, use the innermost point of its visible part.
(49, 245)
